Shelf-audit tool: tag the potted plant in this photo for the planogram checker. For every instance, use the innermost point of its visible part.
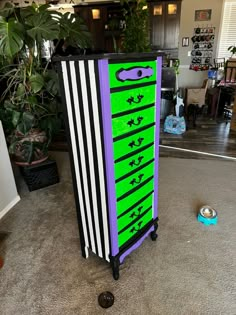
(232, 50)
(30, 102)
(135, 35)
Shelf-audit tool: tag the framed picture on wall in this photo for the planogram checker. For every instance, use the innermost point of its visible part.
(185, 41)
(203, 15)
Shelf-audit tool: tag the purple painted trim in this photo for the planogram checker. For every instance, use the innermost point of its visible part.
(158, 105)
(109, 156)
(136, 245)
(134, 73)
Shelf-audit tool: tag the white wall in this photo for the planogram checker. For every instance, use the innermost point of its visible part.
(8, 193)
(190, 78)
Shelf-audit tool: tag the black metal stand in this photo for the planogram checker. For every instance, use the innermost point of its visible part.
(115, 265)
(153, 234)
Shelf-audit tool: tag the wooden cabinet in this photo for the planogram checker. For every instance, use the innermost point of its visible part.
(105, 27)
(164, 19)
(164, 24)
(112, 105)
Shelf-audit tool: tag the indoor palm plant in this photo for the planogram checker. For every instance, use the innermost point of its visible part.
(135, 37)
(30, 100)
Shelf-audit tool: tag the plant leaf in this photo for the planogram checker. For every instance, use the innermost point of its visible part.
(20, 92)
(7, 10)
(43, 27)
(51, 82)
(36, 82)
(15, 117)
(74, 31)
(28, 121)
(11, 37)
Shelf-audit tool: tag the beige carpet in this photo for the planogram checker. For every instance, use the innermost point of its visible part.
(190, 270)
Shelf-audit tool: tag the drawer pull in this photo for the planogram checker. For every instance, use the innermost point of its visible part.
(132, 163)
(134, 73)
(132, 100)
(136, 215)
(133, 144)
(134, 181)
(134, 229)
(131, 122)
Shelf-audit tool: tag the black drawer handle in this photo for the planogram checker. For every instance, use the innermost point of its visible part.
(134, 181)
(134, 229)
(132, 100)
(133, 144)
(131, 122)
(136, 215)
(132, 163)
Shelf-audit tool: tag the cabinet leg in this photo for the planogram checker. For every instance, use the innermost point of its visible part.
(153, 234)
(115, 265)
(1, 262)
(85, 252)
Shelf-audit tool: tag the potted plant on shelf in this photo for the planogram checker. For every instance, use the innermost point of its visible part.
(30, 102)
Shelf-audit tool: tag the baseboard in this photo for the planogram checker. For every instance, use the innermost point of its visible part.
(9, 206)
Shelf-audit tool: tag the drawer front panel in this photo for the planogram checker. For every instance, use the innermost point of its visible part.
(131, 122)
(134, 213)
(134, 142)
(132, 163)
(134, 197)
(132, 99)
(132, 230)
(131, 73)
(134, 180)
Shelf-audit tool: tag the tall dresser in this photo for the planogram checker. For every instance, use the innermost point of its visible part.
(112, 114)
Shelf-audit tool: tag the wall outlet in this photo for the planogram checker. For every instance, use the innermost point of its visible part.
(189, 53)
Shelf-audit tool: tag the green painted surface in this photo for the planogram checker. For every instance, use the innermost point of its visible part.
(113, 68)
(120, 104)
(130, 200)
(134, 180)
(129, 217)
(124, 167)
(127, 234)
(122, 147)
(131, 122)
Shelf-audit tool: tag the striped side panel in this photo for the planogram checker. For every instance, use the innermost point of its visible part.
(86, 132)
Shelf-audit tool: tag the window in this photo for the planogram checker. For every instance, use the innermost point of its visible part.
(157, 10)
(172, 9)
(227, 35)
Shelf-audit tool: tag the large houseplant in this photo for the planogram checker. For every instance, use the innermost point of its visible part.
(29, 101)
(135, 37)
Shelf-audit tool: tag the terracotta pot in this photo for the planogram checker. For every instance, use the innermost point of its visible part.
(32, 163)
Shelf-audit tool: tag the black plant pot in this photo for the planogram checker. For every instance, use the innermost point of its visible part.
(40, 175)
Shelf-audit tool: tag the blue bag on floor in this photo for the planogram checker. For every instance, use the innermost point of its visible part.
(175, 125)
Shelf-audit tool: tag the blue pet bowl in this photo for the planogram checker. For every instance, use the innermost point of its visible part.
(207, 215)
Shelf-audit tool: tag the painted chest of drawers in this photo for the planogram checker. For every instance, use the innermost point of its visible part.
(112, 113)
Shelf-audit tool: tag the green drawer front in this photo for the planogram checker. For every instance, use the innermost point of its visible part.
(132, 99)
(134, 213)
(132, 230)
(130, 200)
(131, 122)
(116, 67)
(134, 180)
(134, 142)
(132, 163)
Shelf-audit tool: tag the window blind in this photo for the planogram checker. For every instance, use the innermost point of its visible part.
(228, 29)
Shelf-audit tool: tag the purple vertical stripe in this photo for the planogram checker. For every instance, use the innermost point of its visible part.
(158, 105)
(109, 156)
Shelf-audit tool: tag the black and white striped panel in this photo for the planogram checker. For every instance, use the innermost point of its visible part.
(82, 96)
